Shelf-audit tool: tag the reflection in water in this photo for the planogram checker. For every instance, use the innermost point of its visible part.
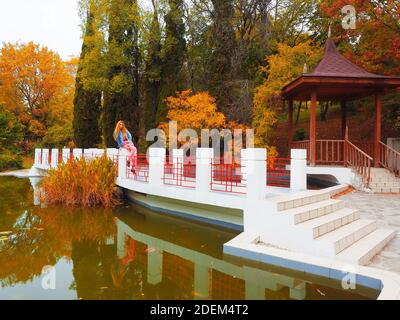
(130, 253)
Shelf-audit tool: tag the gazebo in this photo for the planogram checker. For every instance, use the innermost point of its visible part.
(337, 79)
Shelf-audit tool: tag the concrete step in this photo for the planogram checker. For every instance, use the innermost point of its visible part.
(380, 171)
(384, 175)
(336, 241)
(313, 210)
(366, 248)
(385, 190)
(385, 180)
(385, 184)
(296, 202)
(318, 227)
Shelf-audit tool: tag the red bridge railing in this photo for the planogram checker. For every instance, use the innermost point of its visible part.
(278, 172)
(180, 172)
(138, 168)
(227, 177)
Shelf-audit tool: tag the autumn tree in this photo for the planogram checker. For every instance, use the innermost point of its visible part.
(194, 111)
(281, 69)
(173, 56)
(34, 82)
(60, 131)
(87, 101)
(198, 111)
(375, 42)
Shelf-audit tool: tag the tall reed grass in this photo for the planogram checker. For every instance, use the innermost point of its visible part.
(83, 183)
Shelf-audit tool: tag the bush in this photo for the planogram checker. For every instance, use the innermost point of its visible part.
(300, 135)
(84, 183)
(9, 160)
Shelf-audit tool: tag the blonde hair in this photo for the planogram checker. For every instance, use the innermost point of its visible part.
(117, 130)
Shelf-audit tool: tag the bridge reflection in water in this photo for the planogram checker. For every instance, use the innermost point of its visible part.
(194, 274)
(135, 253)
(183, 260)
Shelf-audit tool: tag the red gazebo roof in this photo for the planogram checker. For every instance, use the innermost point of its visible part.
(336, 78)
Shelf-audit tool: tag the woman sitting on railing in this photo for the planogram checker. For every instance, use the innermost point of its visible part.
(124, 140)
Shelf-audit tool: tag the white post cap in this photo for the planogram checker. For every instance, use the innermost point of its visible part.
(298, 154)
(258, 154)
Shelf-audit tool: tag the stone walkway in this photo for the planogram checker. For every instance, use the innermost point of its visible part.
(386, 210)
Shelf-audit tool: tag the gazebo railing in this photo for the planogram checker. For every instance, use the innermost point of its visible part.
(358, 160)
(366, 146)
(305, 144)
(330, 151)
(343, 152)
(389, 158)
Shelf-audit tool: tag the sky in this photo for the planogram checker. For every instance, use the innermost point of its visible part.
(51, 23)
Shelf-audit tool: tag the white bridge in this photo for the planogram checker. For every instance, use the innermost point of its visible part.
(276, 222)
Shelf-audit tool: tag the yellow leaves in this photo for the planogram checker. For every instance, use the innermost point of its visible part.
(281, 69)
(36, 85)
(36, 128)
(198, 111)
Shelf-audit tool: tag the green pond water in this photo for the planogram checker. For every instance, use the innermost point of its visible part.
(131, 253)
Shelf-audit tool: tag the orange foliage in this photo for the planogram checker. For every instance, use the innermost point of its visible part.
(31, 76)
(81, 183)
(376, 37)
(198, 111)
(34, 83)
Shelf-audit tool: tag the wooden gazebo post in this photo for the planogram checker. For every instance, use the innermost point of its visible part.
(378, 129)
(343, 107)
(290, 125)
(313, 129)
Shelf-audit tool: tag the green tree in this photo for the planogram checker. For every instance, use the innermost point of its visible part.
(87, 102)
(173, 56)
(121, 101)
(10, 130)
(111, 66)
(222, 46)
(153, 67)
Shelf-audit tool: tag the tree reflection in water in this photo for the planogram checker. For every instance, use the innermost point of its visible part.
(38, 237)
(156, 257)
